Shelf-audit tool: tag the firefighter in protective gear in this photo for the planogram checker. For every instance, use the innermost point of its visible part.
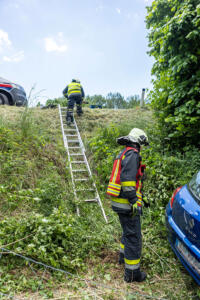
(74, 93)
(125, 189)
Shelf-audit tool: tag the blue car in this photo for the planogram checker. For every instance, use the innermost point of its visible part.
(183, 225)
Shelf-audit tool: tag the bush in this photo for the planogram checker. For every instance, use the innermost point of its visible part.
(175, 44)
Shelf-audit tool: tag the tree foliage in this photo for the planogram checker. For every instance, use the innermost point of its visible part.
(114, 100)
(174, 39)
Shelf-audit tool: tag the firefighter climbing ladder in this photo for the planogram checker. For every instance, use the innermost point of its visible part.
(81, 175)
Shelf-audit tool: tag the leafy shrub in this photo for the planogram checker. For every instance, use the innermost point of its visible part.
(175, 44)
(166, 170)
(61, 239)
(62, 101)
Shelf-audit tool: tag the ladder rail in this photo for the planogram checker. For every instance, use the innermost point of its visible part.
(90, 173)
(68, 155)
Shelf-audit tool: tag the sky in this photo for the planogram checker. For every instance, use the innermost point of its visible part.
(44, 44)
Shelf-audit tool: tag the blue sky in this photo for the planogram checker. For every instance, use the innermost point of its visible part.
(101, 42)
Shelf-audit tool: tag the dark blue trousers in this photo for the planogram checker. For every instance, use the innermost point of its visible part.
(74, 100)
(131, 238)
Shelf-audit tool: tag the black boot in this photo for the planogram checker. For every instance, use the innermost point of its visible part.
(134, 275)
(121, 258)
(79, 110)
(69, 117)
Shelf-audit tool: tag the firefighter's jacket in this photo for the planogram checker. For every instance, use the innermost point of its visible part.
(74, 89)
(126, 190)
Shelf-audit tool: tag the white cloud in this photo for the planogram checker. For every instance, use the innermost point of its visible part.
(55, 44)
(17, 57)
(4, 40)
(118, 10)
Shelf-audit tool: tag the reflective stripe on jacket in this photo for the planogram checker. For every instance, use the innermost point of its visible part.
(114, 186)
(125, 182)
(74, 88)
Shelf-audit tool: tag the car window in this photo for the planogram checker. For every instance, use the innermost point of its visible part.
(195, 185)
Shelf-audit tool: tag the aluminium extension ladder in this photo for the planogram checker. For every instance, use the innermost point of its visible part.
(81, 175)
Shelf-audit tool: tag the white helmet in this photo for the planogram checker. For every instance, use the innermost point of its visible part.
(136, 135)
(76, 80)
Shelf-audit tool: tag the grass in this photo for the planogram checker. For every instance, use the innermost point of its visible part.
(32, 150)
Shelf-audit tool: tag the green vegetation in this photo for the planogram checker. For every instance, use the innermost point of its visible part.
(174, 40)
(37, 208)
(38, 216)
(112, 100)
(62, 101)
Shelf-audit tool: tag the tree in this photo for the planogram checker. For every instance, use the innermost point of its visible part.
(174, 39)
(133, 101)
(96, 100)
(115, 100)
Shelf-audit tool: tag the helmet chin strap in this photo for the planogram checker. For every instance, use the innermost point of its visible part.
(134, 145)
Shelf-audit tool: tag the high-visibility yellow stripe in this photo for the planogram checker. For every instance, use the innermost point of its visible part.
(74, 88)
(116, 193)
(116, 171)
(128, 183)
(121, 200)
(139, 186)
(74, 92)
(114, 189)
(117, 186)
(121, 246)
(132, 262)
(138, 193)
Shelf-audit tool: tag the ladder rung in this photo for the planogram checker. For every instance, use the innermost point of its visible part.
(79, 170)
(73, 141)
(81, 179)
(71, 135)
(76, 154)
(69, 129)
(91, 200)
(85, 190)
(78, 162)
(74, 147)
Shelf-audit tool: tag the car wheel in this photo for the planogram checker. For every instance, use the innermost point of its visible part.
(4, 99)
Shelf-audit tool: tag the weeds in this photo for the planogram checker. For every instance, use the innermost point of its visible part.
(37, 202)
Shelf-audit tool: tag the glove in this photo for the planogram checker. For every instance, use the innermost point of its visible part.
(137, 208)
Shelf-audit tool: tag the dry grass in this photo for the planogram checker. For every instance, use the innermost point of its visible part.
(95, 118)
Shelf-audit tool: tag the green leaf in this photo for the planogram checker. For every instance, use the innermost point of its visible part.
(169, 100)
(198, 10)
